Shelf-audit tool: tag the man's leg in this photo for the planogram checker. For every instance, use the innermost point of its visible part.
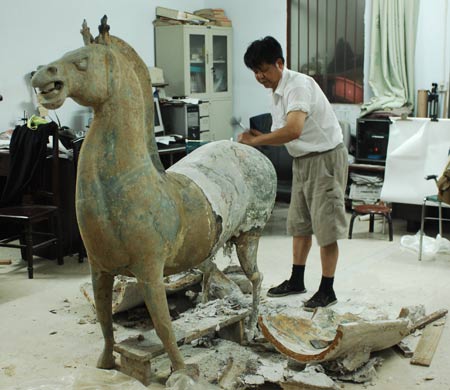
(329, 257)
(295, 284)
(300, 249)
(325, 296)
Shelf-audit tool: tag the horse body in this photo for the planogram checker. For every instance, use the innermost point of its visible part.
(135, 218)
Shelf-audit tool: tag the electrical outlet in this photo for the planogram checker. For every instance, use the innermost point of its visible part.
(442, 86)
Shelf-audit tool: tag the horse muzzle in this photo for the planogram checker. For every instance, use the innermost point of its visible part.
(52, 91)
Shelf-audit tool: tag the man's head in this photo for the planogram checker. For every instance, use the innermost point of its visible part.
(265, 58)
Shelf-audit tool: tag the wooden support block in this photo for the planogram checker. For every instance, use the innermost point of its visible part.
(137, 352)
(233, 332)
(209, 325)
(136, 367)
(427, 345)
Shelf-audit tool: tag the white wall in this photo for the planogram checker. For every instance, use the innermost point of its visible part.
(432, 47)
(37, 32)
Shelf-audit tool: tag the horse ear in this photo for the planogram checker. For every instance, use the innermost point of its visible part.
(86, 33)
(103, 38)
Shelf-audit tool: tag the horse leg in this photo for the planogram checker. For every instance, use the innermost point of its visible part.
(207, 268)
(154, 293)
(102, 285)
(246, 250)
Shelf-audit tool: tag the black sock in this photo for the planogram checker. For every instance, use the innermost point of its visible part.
(326, 285)
(298, 272)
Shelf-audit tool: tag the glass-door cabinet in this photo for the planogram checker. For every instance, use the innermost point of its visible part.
(220, 63)
(197, 63)
(196, 60)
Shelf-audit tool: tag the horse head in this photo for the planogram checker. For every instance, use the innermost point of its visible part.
(80, 74)
(88, 75)
(92, 74)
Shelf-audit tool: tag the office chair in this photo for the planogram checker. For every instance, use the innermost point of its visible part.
(430, 199)
(278, 155)
(26, 199)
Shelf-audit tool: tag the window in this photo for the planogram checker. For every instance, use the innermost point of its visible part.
(326, 41)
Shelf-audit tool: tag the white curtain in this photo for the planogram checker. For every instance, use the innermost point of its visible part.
(393, 41)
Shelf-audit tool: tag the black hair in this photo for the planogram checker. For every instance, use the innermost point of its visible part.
(266, 50)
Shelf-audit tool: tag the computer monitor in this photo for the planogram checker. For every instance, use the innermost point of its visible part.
(159, 125)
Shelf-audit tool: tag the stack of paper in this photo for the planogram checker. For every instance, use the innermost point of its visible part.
(166, 15)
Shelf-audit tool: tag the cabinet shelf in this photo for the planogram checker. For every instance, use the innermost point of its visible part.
(197, 69)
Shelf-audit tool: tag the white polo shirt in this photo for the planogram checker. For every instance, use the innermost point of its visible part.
(299, 92)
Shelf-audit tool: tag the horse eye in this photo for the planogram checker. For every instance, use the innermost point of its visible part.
(82, 64)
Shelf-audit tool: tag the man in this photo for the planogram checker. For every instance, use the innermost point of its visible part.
(303, 120)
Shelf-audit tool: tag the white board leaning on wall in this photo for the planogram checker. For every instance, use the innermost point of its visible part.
(417, 147)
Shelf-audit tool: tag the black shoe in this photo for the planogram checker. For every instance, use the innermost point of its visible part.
(285, 288)
(320, 299)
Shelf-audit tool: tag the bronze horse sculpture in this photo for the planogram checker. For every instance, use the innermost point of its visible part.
(136, 218)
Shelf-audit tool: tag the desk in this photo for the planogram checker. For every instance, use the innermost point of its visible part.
(170, 154)
(366, 168)
(4, 162)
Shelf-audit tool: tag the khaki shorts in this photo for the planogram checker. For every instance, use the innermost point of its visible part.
(317, 198)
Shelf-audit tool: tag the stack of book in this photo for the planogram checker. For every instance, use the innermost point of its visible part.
(216, 16)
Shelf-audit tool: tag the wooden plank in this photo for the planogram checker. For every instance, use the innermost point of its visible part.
(427, 345)
(424, 321)
(421, 323)
(5, 262)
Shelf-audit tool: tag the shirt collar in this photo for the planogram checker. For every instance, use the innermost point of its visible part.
(282, 83)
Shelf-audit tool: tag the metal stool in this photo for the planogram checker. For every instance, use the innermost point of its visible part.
(372, 209)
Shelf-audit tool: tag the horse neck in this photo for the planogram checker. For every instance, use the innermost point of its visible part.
(117, 136)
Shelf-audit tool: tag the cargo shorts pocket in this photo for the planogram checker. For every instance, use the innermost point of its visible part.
(335, 200)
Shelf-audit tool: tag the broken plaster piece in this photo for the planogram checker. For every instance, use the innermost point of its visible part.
(350, 335)
(310, 378)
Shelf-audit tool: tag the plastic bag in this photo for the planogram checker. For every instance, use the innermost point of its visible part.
(430, 246)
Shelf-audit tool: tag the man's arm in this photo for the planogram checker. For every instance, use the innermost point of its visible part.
(292, 130)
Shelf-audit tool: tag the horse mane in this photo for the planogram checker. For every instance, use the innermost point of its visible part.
(143, 75)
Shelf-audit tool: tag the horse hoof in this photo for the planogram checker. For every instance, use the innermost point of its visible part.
(249, 335)
(185, 378)
(106, 362)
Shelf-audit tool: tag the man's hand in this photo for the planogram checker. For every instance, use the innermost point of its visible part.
(249, 137)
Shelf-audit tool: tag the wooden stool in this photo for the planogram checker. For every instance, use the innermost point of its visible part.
(372, 209)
